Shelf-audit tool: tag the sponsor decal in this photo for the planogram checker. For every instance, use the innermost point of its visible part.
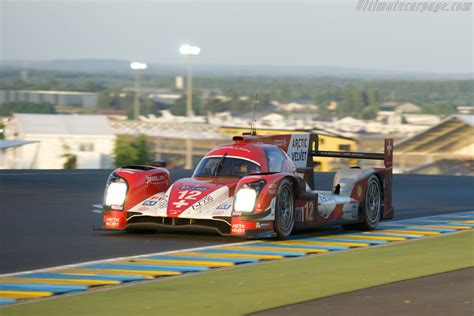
(265, 224)
(354, 211)
(218, 212)
(204, 201)
(224, 206)
(149, 203)
(193, 188)
(112, 222)
(238, 228)
(323, 198)
(280, 142)
(160, 201)
(359, 191)
(272, 189)
(298, 149)
(155, 178)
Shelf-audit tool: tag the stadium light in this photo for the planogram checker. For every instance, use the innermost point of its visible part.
(138, 66)
(189, 50)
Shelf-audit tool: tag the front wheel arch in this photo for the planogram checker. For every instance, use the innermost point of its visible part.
(285, 209)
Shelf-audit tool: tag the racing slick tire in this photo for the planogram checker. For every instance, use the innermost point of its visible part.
(371, 207)
(284, 210)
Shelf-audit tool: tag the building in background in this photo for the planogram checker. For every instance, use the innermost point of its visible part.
(179, 83)
(9, 152)
(408, 108)
(296, 105)
(178, 140)
(446, 148)
(89, 138)
(57, 98)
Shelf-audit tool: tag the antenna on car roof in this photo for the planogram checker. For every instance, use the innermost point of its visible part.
(254, 130)
(253, 124)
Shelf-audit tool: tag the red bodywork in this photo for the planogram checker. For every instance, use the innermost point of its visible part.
(142, 183)
(151, 200)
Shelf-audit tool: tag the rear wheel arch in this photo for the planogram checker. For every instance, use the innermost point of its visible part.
(366, 210)
(379, 177)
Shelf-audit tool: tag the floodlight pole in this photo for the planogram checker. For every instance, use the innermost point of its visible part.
(188, 51)
(189, 154)
(189, 88)
(137, 67)
(136, 97)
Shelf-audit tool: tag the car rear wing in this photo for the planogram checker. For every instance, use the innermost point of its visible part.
(301, 148)
(313, 151)
(386, 156)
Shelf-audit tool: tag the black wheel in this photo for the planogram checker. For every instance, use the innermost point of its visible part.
(371, 207)
(284, 210)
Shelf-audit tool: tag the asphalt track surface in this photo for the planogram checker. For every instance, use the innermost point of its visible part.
(442, 294)
(46, 217)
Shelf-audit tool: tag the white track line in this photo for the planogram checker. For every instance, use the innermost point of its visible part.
(75, 265)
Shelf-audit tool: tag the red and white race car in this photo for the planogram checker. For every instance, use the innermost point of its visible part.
(257, 186)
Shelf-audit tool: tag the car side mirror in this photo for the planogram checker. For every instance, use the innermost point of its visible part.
(158, 163)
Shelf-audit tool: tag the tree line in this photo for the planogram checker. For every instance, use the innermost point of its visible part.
(355, 97)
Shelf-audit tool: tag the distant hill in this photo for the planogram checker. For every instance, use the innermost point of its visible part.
(121, 66)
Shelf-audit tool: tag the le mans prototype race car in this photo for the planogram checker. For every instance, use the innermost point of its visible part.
(258, 186)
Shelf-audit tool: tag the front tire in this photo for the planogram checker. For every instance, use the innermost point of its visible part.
(284, 210)
(371, 207)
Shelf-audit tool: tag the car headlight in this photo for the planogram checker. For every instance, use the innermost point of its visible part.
(245, 200)
(115, 195)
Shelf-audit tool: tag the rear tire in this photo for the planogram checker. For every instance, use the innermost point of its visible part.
(284, 210)
(370, 208)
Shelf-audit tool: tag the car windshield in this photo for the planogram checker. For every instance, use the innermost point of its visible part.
(223, 166)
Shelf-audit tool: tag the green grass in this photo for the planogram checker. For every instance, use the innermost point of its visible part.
(253, 288)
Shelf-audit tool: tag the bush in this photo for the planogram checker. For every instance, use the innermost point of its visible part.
(132, 150)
